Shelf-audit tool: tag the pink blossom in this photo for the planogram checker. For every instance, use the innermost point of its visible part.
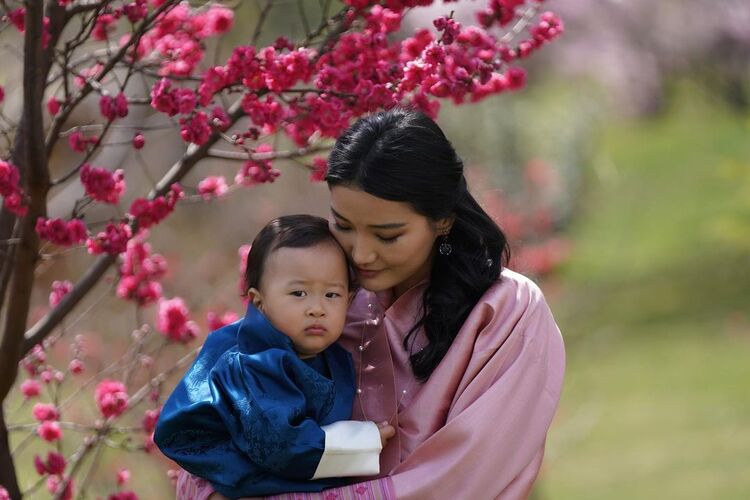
(212, 187)
(49, 430)
(53, 105)
(139, 272)
(4, 495)
(55, 483)
(45, 411)
(78, 141)
(186, 100)
(61, 232)
(257, 171)
(103, 185)
(39, 465)
(139, 141)
(123, 495)
(320, 169)
(112, 108)
(150, 417)
(219, 20)
(13, 197)
(111, 398)
(150, 212)
(76, 366)
(173, 320)
(55, 463)
(220, 118)
(113, 240)
(135, 10)
(34, 360)
(47, 376)
(59, 290)
(163, 98)
(196, 128)
(215, 321)
(103, 26)
(123, 476)
(18, 18)
(30, 388)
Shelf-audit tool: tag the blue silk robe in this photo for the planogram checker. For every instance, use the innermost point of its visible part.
(247, 415)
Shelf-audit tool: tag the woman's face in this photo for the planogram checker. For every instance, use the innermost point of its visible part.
(389, 243)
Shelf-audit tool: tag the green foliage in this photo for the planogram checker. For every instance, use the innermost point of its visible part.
(653, 306)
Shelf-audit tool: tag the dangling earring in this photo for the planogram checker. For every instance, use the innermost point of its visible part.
(445, 248)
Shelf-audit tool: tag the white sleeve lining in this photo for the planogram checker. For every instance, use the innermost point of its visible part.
(352, 448)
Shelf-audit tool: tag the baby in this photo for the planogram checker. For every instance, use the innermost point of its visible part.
(265, 407)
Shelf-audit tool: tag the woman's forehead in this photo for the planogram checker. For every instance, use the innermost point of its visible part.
(357, 206)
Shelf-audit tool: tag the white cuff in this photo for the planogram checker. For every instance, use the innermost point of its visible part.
(352, 449)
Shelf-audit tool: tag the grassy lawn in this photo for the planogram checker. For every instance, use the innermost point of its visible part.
(655, 307)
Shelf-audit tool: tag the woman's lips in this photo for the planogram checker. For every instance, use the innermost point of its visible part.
(365, 273)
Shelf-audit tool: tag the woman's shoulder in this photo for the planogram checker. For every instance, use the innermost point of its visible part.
(512, 289)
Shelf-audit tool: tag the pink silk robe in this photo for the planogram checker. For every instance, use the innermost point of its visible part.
(477, 428)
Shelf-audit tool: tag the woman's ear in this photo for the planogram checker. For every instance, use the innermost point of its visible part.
(443, 226)
(256, 298)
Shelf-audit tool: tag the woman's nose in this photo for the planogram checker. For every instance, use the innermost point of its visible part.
(362, 253)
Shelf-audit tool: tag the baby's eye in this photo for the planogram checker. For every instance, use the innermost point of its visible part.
(333, 295)
(297, 293)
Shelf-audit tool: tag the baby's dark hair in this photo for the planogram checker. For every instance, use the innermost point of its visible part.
(293, 231)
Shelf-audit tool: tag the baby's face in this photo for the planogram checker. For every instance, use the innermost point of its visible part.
(304, 293)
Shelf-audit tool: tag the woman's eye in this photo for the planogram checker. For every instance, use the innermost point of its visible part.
(297, 293)
(388, 240)
(339, 227)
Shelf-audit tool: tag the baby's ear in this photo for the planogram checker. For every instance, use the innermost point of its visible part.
(255, 297)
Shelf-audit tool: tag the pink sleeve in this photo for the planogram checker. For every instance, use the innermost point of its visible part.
(190, 487)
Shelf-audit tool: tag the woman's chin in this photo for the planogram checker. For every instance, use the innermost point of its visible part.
(375, 284)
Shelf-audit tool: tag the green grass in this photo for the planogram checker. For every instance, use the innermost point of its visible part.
(654, 305)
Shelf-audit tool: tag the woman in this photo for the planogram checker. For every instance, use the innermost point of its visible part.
(459, 354)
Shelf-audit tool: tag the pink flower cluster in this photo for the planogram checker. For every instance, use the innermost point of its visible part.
(50, 431)
(112, 108)
(113, 240)
(59, 290)
(30, 388)
(319, 170)
(257, 171)
(139, 272)
(550, 27)
(212, 187)
(500, 12)
(111, 398)
(79, 143)
(216, 321)
(33, 363)
(123, 495)
(173, 320)
(178, 35)
(10, 190)
(103, 185)
(45, 411)
(61, 232)
(150, 212)
(195, 128)
(55, 464)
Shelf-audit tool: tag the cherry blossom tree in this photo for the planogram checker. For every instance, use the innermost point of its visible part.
(118, 55)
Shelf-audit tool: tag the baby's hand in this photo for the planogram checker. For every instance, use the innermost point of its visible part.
(386, 432)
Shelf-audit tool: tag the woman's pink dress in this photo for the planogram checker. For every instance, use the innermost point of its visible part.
(476, 429)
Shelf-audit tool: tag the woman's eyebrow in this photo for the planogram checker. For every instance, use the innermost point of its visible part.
(392, 225)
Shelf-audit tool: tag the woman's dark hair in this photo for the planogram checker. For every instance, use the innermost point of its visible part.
(293, 231)
(402, 155)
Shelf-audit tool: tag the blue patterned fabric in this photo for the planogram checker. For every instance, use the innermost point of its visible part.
(247, 415)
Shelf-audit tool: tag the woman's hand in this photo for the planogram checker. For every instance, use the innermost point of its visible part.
(386, 432)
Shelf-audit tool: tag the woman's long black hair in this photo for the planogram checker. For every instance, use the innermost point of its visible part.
(402, 155)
